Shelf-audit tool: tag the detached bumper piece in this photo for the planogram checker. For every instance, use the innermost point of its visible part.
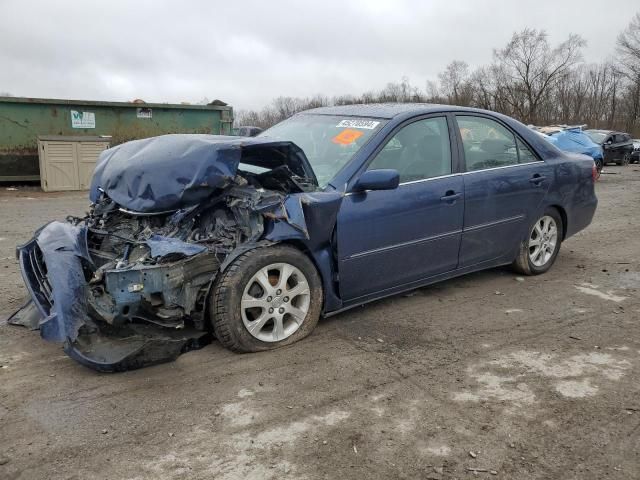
(109, 340)
(134, 346)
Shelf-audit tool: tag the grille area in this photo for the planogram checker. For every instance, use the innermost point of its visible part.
(35, 274)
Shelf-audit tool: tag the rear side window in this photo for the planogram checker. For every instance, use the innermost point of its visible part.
(525, 155)
(488, 144)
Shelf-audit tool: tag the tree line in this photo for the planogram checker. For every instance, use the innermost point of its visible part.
(529, 79)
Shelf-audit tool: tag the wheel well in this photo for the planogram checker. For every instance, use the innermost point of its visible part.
(329, 285)
(303, 248)
(563, 216)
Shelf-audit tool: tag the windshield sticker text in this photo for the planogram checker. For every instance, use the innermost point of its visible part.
(366, 124)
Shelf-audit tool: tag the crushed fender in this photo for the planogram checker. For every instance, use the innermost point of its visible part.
(126, 286)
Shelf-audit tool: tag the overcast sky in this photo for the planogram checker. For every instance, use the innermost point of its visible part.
(249, 51)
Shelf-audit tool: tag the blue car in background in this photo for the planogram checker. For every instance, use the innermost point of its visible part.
(252, 240)
(577, 141)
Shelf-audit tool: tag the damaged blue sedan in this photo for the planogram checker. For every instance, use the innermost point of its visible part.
(252, 240)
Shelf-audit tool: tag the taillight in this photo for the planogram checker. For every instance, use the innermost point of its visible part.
(594, 172)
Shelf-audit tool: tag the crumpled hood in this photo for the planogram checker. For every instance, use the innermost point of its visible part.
(177, 171)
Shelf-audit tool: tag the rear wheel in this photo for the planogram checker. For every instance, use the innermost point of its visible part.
(267, 298)
(539, 251)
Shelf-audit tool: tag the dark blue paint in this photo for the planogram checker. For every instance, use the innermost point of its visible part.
(63, 248)
(382, 179)
(178, 171)
(365, 244)
(388, 238)
(160, 246)
(393, 241)
(500, 206)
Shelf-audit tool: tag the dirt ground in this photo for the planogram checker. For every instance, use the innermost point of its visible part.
(487, 376)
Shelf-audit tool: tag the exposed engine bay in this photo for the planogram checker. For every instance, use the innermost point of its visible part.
(126, 287)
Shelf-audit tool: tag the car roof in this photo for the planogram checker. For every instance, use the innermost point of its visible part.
(387, 110)
(596, 130)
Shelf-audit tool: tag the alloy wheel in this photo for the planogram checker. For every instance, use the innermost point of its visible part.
(275, 302)
(543, 240)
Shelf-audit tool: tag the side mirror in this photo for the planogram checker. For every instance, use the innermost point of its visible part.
(382, 179)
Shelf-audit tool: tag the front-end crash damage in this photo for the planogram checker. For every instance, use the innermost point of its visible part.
(127, 285)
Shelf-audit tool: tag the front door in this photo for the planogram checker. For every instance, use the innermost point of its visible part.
(394, 237)
(504, 183)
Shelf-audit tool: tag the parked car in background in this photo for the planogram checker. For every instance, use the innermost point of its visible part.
(254, 239)
(577, 141)
(247, 131)
(617, 146)
(635, 155)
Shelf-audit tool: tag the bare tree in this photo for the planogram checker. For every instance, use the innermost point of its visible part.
(532, 67)
(528, 79)
(454, 83)
(628, 47)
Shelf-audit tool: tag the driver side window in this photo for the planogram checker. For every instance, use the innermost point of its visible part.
(418, 151)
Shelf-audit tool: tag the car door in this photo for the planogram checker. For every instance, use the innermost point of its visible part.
(625, 145)
(609, 147)
(504, 184)
(390, 238)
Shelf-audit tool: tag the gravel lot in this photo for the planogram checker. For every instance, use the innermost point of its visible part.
(518, 378)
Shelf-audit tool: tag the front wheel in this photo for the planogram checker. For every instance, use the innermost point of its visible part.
(539, 251)
(267, 298)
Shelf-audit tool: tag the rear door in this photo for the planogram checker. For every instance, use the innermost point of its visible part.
(504, 183)
(390, 238)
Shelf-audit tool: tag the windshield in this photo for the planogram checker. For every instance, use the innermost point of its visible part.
(328, 141)
(597, 137)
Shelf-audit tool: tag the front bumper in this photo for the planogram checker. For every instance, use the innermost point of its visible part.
(110, 342)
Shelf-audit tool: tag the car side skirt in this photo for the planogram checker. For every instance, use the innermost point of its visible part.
(356, 302)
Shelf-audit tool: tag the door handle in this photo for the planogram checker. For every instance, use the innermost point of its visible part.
(450, 196)
(537, 179)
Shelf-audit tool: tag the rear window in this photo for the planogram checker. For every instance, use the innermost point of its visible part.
(597, 137)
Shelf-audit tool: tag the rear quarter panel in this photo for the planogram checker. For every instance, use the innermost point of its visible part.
(573, 190)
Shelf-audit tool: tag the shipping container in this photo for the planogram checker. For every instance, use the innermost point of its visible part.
(23, 120)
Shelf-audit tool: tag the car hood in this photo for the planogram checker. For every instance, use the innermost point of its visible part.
(170, 172)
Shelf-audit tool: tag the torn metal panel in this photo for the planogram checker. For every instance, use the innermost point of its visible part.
(127, 285)
(27, 316)
(161, 246)
(177, 171)
(62, 248)
(133, 346)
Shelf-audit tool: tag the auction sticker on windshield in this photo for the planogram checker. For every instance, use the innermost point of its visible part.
(347, 136)
(366, 124)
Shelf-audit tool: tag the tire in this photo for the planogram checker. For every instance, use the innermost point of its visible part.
(625, 160)
(252, 293)
(529, 260)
